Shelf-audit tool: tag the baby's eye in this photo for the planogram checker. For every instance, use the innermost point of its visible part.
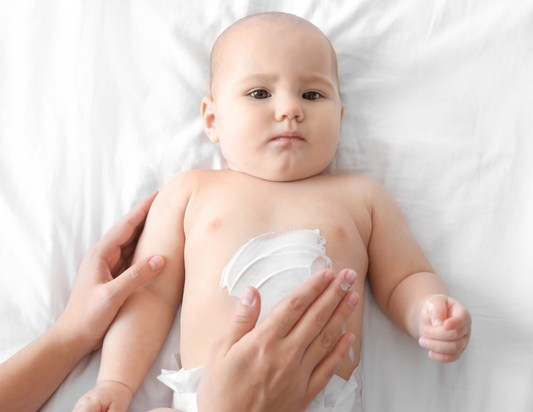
(260, 94)
(311, 95)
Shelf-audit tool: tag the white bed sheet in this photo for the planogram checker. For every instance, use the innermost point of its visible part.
(99, 107)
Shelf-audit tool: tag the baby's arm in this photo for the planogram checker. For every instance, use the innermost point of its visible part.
(138, 332)
(405, 285)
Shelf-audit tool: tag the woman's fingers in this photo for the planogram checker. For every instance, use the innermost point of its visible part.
(328, 337)
(243, 319)
(134, 277)
(267, 359)
(319, 313)
(288, 312)
(125, 256)
(325, 370)
(123, 231)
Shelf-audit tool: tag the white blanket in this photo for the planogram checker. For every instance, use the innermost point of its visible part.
(99, 107)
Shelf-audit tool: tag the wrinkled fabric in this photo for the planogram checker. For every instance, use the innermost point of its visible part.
(338, 396)
(100, 107)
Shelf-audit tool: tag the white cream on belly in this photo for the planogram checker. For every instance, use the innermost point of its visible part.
(275, 265)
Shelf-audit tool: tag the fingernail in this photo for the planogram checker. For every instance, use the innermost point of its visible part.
(423, 342)
(350, 277)
(350, 340)
(352, 300)
(428, 307)
(424, 307)
(156, 263)
(328, 276)
(247, 297)
(436, 322)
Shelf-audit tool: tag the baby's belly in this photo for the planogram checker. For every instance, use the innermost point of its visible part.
(273, 264)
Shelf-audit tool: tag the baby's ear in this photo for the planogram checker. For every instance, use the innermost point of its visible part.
(208, 116)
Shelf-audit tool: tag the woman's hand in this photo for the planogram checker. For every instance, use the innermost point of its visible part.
(103, 283)
(29, 377)
(282, 364)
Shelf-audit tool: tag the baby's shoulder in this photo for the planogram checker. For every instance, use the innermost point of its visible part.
(357, 184)
(190, 180)
(376, 198)
(181, 187)
(360, 189)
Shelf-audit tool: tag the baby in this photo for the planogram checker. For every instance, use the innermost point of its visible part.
(270, 220)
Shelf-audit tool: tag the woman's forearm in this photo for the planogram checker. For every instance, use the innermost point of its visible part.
(31, 376)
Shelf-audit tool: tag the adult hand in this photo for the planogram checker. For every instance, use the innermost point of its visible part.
(104, 280)
(282, 364)
(29, 377)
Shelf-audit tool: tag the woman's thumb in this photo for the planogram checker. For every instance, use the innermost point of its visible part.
(244, 317)
(136, 275)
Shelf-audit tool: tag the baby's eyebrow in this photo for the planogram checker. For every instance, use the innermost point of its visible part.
(317, 78)
(263, 77)
(259, 77)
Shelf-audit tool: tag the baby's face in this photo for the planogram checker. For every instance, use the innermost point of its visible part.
(276, 109)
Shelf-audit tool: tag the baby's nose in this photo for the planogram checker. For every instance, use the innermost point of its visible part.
(289, 108)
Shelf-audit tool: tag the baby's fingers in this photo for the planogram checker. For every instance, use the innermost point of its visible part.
(87, 405)
(435, 310)
(458, 316)
(439, 333)
(443, 358)
(450, 350)
(443, 346)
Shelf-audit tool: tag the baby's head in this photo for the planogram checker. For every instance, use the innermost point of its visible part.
(275, 106)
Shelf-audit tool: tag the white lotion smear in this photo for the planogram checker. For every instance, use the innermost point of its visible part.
(275, 265)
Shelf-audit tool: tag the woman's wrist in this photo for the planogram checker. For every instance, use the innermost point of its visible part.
(72, 344)
(32, 375)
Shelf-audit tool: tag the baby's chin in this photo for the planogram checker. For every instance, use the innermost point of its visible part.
(273, 175)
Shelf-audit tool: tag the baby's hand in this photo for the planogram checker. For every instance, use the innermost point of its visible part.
(107, 396)
(444, 328)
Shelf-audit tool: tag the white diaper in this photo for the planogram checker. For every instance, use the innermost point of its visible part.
(338, 396)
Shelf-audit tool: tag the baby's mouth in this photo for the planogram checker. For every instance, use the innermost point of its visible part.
(288, 137)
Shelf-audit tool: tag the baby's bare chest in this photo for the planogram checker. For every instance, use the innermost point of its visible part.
(220, 220)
